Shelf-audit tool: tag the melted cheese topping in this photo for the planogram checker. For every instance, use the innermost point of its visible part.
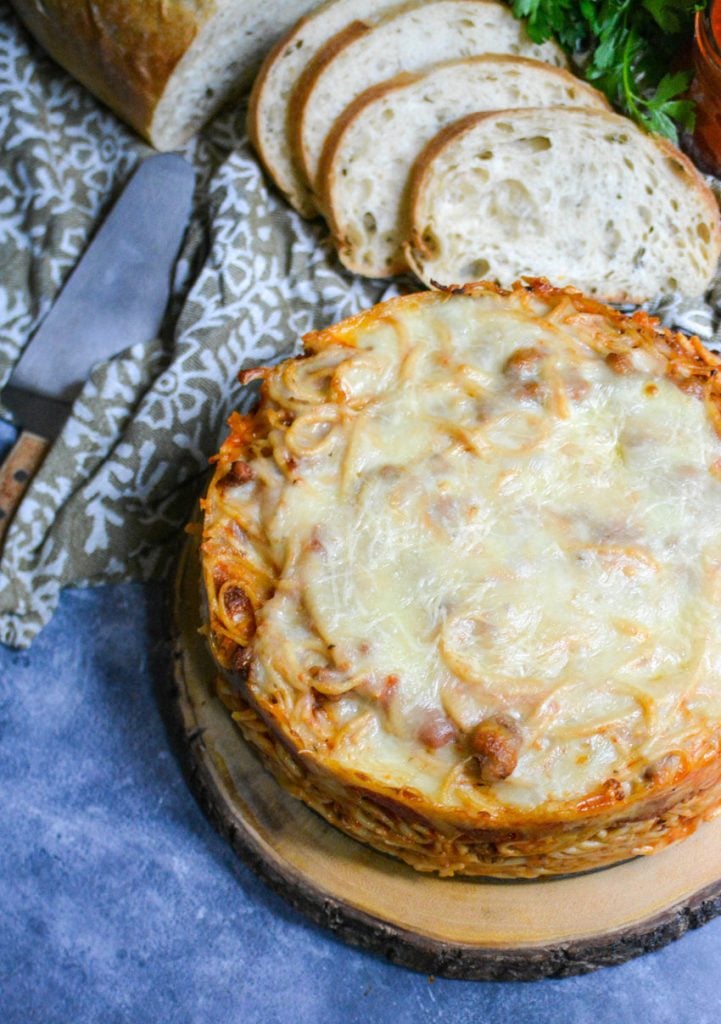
(471, 510)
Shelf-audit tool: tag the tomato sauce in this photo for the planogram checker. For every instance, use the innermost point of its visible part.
(706, 88)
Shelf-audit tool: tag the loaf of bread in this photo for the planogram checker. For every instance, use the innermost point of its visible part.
(164, 66)
(417, 35)
(583, 197)
(371, 149)
(268, 113)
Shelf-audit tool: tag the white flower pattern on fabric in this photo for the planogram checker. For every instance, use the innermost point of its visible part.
(113, 494)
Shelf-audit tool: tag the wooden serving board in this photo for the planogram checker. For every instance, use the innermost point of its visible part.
(461, 928)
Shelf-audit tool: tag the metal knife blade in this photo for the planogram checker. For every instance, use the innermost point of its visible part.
(115, 297)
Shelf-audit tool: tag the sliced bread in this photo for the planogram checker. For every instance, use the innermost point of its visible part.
(409, 39)
(268, 111)
(517, 192)
(371, 149)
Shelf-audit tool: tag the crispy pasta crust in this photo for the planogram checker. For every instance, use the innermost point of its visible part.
(340, 726)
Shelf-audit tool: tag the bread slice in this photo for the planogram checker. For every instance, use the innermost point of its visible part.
(268, 112)
(370, 151)
(582, 197)
(415, 36)
(164, 68)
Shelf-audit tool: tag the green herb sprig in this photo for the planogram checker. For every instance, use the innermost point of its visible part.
(629, 46)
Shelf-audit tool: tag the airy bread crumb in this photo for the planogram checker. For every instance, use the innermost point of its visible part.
(516, 192)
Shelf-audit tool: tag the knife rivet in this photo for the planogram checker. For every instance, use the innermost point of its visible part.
(20, 476)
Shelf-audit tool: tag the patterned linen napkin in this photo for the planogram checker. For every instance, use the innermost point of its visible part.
(116, 488)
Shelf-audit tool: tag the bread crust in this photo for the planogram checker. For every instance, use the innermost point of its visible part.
(123, 51)
(291, 185)
(304, 87)
(423, 166)
(327, 176)
(300, 200)
(257, 93)
(127, 51)
(667, 799)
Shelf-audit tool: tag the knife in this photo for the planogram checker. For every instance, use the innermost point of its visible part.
(115, 297)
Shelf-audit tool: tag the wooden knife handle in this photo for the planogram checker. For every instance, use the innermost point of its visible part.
(17, 471)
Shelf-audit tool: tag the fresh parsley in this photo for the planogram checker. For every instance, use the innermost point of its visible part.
(629, 46)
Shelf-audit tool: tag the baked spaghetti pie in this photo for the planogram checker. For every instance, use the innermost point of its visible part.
(463, 570)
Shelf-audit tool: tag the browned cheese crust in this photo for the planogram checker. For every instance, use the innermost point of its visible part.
(666, 799)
